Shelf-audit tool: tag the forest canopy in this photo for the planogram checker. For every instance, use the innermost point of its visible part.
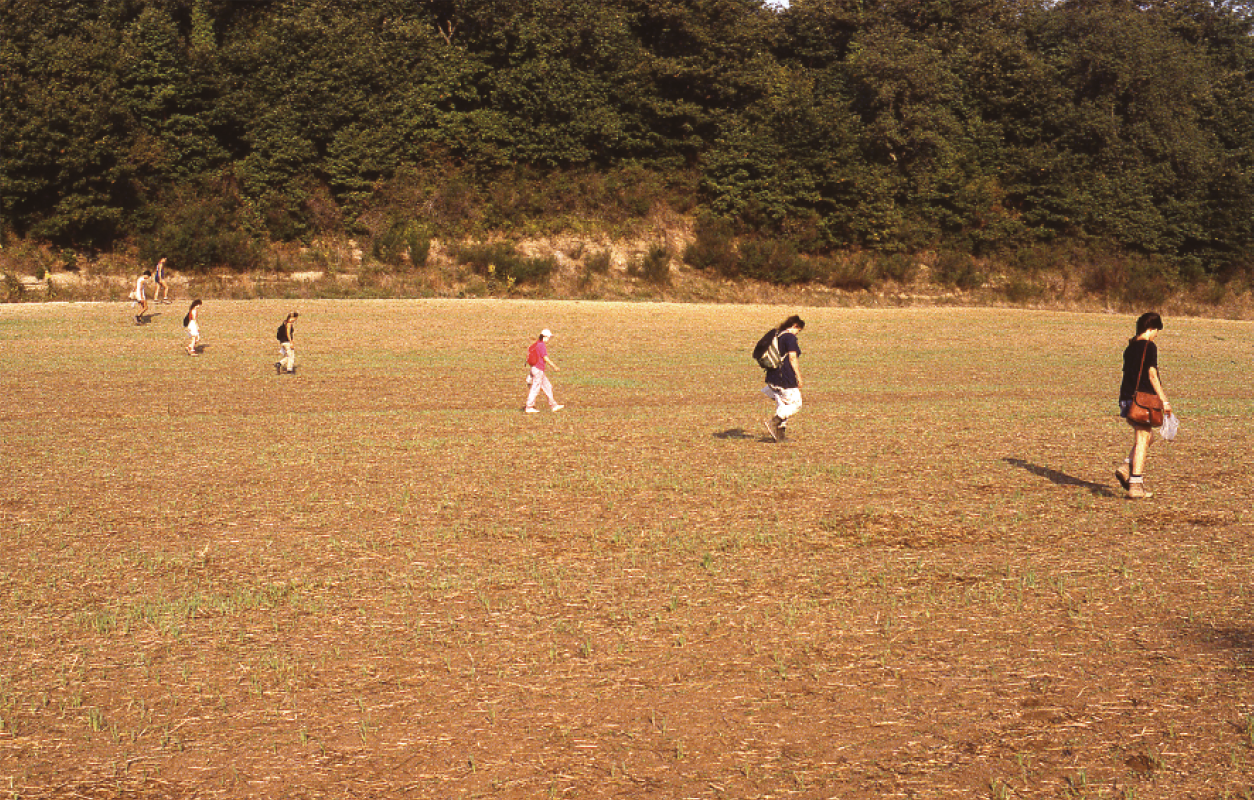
(894, 125)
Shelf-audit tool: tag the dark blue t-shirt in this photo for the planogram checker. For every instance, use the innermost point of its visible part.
(783, 376)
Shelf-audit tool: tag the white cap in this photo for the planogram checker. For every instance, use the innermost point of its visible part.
(546, 333)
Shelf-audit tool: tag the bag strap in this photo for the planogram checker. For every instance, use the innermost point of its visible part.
(1136, 389)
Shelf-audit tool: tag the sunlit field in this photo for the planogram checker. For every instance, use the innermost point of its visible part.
(379, 578)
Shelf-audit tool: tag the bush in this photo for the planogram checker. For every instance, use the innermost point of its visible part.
(774, 261)
(1020, 290)
(402, 240)
(958, 270)
(501, 261)
(1148, 284)
(898, 267)
(599, 262)
(199, 232)
(856, 273)
(654, 266)
(713, 248)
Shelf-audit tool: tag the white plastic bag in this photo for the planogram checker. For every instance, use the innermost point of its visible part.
(1171, 424)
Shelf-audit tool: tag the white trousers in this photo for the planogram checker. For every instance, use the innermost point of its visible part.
(787, 401)
(539, 383)
(288, 351)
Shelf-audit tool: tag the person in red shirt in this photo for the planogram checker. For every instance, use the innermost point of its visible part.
(537, 360)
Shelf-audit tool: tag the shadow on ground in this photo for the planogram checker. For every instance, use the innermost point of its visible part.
(1060, 478)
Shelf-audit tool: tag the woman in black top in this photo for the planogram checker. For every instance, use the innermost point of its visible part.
(1140, 374)
(287, 345)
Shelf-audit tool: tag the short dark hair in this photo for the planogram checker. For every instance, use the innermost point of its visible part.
(1147, 321)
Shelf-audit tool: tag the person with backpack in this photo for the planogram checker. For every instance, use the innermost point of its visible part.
(193, 328)
(287, 345)
(537, 360)
(783, 373)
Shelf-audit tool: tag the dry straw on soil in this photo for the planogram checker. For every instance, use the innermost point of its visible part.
(377, 578)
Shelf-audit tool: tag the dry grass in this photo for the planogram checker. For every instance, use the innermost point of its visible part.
(379, 579)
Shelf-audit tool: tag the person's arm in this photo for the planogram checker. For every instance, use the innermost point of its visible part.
(796, 366)
(1152, 373)
(549, 361)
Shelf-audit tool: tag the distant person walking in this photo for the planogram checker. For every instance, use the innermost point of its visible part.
(140, 296)
(537, 360)
(783, 383)
(1140, 374)
(162, 292)
(287, 345)
(193, 328)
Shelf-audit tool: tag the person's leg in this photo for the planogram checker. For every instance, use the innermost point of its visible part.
(537, 382)
(787, 403)
(548, 391)
(1136, 481)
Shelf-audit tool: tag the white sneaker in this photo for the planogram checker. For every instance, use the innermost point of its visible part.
(558, 407)
(532, 410)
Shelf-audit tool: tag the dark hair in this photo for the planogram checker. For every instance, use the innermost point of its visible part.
(195, 303)
(791, 321)
(1148, 321)
(147, 273)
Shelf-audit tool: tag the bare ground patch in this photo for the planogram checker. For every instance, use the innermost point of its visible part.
(379, 579)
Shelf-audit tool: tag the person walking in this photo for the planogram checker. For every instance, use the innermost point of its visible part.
(287, 345)
(783, 383)
(162, 293)
(140, 297)
(537, 360)
(193, 328)
(1140, 374)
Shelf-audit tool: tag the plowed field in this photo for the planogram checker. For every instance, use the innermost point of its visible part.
(378, 578)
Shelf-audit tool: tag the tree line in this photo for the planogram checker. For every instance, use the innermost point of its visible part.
(886, 125)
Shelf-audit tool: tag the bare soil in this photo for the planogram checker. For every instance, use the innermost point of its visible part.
(377, 578)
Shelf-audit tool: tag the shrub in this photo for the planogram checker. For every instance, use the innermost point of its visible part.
(774, 261)
(958, 270)
(898, 267)
(1148, 284)
(856, 273)
(199, 232)
(501, 261)
(599, 262)
(402, 240)
(713, 247)
(654, 266)
(418, 242)
(1020, 290)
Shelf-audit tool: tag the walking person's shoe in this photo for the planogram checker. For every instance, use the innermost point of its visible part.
(558, 407)
(1122, 474)
(1137, 490)
(772, 427)
(532, 410)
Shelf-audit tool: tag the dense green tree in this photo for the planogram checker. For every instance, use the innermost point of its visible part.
(896, 124)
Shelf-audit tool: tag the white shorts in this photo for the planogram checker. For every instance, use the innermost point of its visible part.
(193, 329)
